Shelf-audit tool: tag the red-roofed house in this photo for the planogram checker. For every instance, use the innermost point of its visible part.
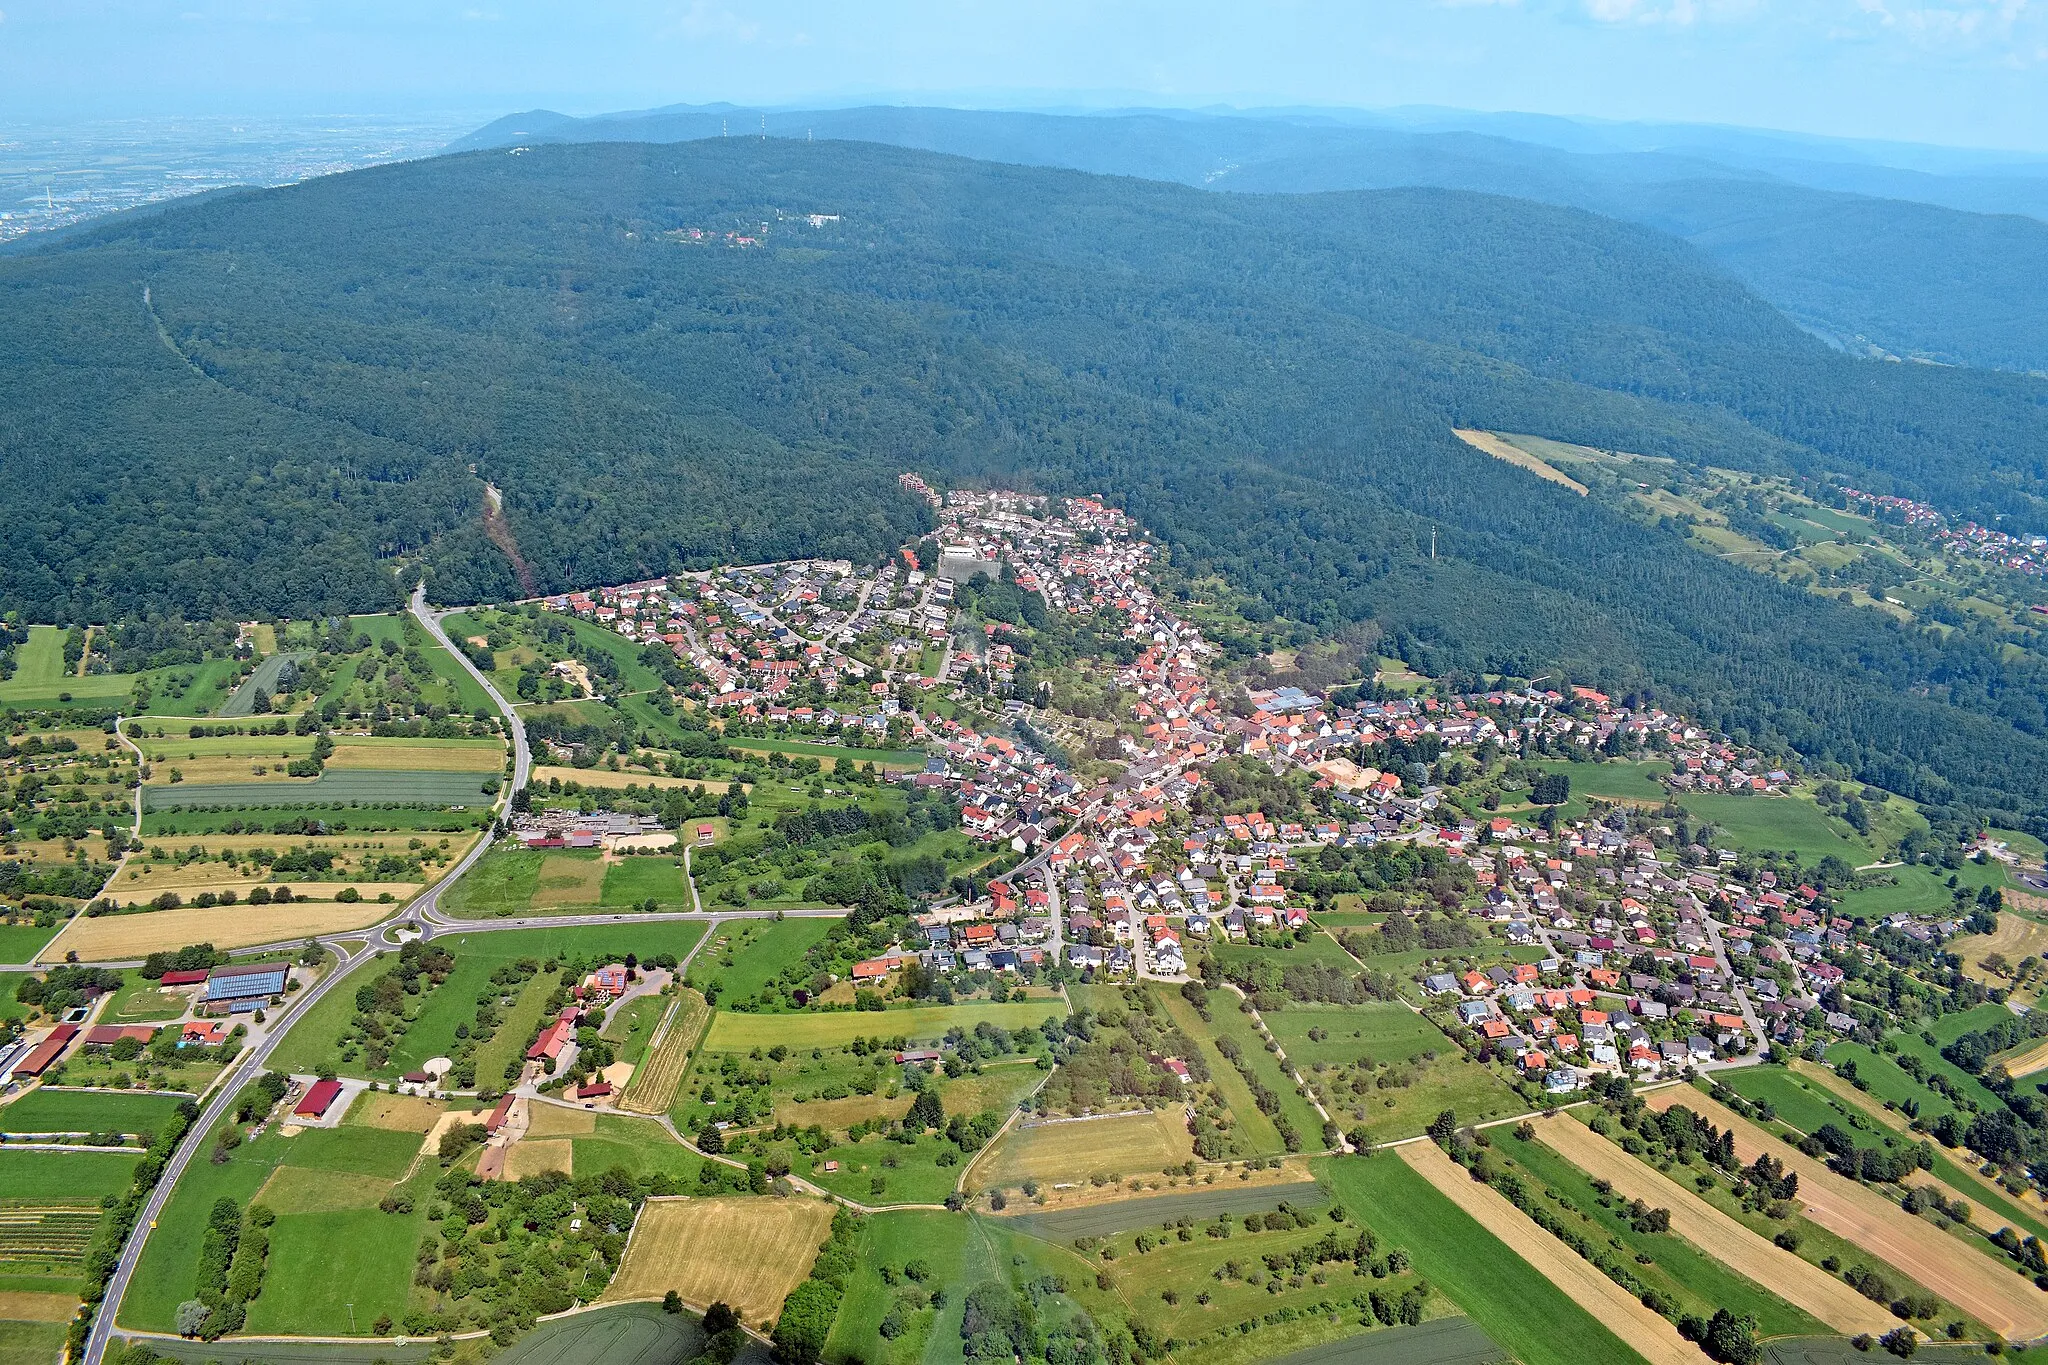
(318, 1100)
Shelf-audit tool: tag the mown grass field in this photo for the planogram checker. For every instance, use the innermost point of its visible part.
(1254, 1129)
(1158, 1210)
(922, 1023)
(1231, 1022)
(326, 1253)
(1787, 824)
(43, 1110)
(1515, 1305)
(830, 755)
(65, 1175)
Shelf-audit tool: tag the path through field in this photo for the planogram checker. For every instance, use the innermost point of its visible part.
(1981, 1287)
(1714, 1232)
(1650, 1334)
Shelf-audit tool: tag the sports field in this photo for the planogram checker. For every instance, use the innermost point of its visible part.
(745, 1251)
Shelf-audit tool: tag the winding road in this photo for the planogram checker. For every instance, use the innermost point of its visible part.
(423, 916)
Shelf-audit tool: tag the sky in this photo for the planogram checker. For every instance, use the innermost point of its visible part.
(1954, 72)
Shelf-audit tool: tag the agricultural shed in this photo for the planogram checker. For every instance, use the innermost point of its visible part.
(317, 1100)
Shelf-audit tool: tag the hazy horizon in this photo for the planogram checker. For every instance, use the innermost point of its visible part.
(1961, 73)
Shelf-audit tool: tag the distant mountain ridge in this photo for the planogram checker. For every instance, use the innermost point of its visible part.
(1878, 259)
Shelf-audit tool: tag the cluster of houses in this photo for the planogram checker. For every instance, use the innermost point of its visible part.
(236, 988)
(2027, 554)
(1736, 959)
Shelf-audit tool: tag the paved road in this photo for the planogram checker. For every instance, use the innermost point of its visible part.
(424, 916)
(210, 1117)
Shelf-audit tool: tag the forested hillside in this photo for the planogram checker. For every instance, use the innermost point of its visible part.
(1268, 382)
(1919, 279)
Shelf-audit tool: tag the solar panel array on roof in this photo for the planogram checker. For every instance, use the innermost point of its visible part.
(246, 982)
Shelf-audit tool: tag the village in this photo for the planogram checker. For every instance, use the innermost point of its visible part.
(1637, 955)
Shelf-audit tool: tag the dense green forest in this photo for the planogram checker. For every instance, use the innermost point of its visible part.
(1960, 277)
(1268, 382)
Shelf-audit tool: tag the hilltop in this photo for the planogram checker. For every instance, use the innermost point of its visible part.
(661, 358)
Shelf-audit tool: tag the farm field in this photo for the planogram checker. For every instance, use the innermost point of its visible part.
(639, 1145)
(1423, 1071)
(618, 1334)
(1648, 1333)
(337, 820)
(1442, 1341)
(1231, 1022)
(1164, 1286)
(835, 1028)
(1070, 1152)
(358, 786)
(61, 1175)
(1157, 1210)
(745, 1250)
(1528, 1315)
(2016, 937)
(2025, 1211)
(44, 1110)
(120, 938)
(1982, 1288)
(1889, 1081)
(330, 1246)
(1384, 1032)
(652, 1090)
(41, 682)
(1613, 781)
(1562, 1159)
(1744, 1253)
(518, 881)
(958, 1251)
(829, 755)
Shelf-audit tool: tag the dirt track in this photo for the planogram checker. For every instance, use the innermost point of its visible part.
(1714, 1232)
(1649, 1334)
(1981, 1287)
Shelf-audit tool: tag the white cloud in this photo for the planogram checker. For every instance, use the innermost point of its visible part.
(1676, 13)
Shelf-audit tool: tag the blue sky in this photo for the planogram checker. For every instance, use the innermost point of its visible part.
(1961, 72)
